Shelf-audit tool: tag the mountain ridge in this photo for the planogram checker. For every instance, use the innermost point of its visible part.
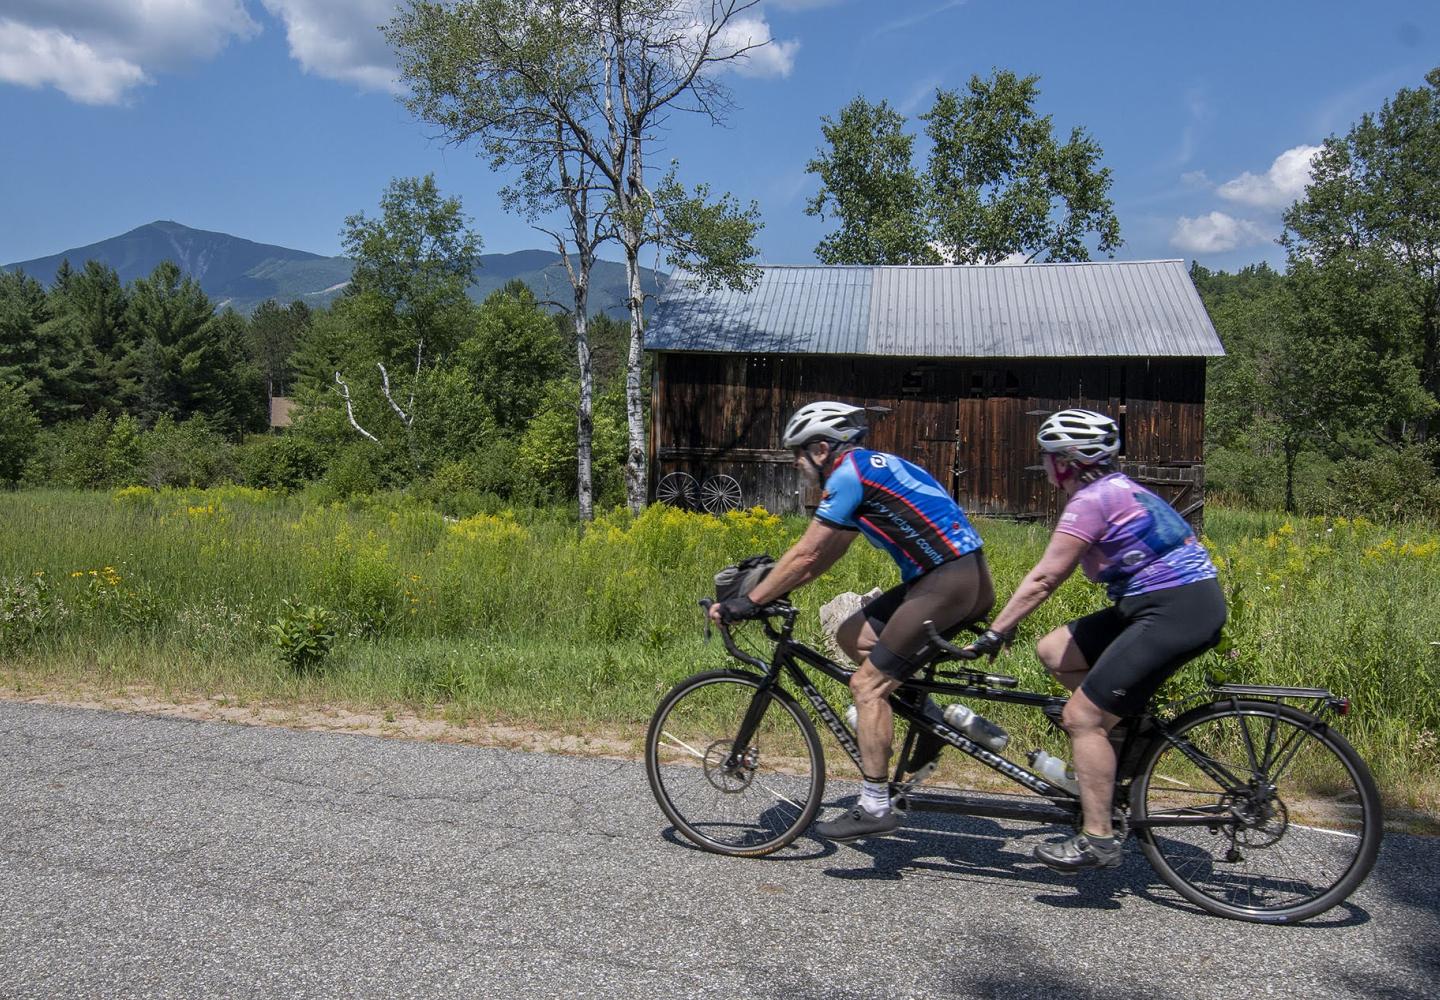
(240, 273)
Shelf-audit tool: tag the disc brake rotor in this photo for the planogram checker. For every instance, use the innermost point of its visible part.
(729, 779)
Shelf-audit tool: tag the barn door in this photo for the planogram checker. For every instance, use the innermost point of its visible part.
(921, 430)
(995, 457)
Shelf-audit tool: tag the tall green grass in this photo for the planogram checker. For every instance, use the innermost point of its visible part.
(525, 617)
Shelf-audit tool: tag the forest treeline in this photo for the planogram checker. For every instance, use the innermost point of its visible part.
(403, 382)
(1327, 401)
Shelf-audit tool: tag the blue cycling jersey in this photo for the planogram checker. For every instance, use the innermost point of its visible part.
(899, 507)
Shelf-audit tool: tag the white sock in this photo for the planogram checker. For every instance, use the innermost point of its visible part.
(875, 797)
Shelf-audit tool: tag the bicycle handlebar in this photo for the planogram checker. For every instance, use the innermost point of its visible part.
(960, 653)
(947, 648)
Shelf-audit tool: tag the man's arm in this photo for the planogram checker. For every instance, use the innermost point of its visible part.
(816, 551)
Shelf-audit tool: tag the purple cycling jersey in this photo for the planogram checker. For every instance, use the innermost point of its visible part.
(1138, 543)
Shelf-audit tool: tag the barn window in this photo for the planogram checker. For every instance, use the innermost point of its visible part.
(985, 382)
(1012, 384)
(917, 380)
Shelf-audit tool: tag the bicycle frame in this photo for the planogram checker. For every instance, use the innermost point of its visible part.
(787, 659)
(790, 657)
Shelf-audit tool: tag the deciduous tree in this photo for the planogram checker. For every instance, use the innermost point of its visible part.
(868, 184)
(1364, 242)
(594, 78)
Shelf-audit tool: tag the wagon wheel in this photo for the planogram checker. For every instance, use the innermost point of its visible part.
(678, 489)
(720, 494)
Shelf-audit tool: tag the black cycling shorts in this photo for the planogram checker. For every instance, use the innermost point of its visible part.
(1136, 644)
(950, 595)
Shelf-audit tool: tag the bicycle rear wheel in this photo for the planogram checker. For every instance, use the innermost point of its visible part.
(755, 807)
(1275, 819)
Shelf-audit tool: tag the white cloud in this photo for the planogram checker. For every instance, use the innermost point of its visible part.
(919, 94)
(1215, 233)
(771, 58)
(914, 18)
(47, 57)
(95, 51)
(1279, 186)
(340, 39)
(1196, 179)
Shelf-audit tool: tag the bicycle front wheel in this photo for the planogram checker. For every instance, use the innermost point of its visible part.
(745, 804)
(1257, 811)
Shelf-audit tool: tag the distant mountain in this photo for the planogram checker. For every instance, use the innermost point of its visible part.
(241, 274)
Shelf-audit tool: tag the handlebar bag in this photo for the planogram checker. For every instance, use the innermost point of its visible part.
(743, 577)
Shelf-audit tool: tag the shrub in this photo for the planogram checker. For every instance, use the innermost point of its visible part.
(77, 454)
(1388, 485)
(187, 454)
(19, 429)
(356, 470)
(1244, 477)
(284, 462)
(453, 421)
(456, 489)
(304, 634)
(547, 449)
(27, 608)
(125, 452)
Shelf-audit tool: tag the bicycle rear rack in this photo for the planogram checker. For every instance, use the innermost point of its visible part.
(1319, 696)
(1268, 691)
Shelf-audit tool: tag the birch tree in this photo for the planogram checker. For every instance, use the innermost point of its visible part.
(537, 81)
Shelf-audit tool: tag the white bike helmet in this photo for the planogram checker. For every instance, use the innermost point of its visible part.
(824, 421)
(1082, 436)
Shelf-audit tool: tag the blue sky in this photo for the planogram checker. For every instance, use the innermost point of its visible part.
(274, 119)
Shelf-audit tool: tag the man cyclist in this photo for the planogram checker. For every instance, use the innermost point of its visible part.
(902, 510)
(1168, 609)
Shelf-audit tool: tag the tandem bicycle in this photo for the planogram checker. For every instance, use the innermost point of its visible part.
(1244, 800)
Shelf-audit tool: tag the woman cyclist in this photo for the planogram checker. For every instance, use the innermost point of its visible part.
(1168, 608)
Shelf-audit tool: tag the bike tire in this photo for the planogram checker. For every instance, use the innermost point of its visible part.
(1298, 851)
(724, 811)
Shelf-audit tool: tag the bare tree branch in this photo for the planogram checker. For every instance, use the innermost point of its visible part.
(385, 388)
(350, 410)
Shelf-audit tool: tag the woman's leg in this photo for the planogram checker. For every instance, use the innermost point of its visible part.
(1061, 655)
(1089, 727)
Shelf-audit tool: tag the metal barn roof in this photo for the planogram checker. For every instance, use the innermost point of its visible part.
(1093, 309)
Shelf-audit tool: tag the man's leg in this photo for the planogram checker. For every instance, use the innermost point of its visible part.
(872, 817)
(856, 636)
(876, 725)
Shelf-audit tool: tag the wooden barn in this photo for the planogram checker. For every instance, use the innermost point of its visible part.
(958, 366)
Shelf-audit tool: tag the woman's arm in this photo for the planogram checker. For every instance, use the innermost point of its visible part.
(1061, 557)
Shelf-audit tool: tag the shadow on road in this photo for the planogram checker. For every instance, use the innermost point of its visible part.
(969, 848)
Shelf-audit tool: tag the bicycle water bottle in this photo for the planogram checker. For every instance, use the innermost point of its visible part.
(1053, 770)
(977, 727)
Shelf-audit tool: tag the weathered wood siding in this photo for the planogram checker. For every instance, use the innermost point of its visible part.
(972, 424)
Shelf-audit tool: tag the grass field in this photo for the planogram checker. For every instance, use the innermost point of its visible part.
(521, 617)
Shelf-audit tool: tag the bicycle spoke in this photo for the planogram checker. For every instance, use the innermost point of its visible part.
(749, 798)
(1283, 842)
(684, 746)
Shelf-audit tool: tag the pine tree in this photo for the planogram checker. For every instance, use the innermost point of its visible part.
(88, 317)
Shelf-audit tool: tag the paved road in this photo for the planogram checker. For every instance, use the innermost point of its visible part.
(152, 857)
